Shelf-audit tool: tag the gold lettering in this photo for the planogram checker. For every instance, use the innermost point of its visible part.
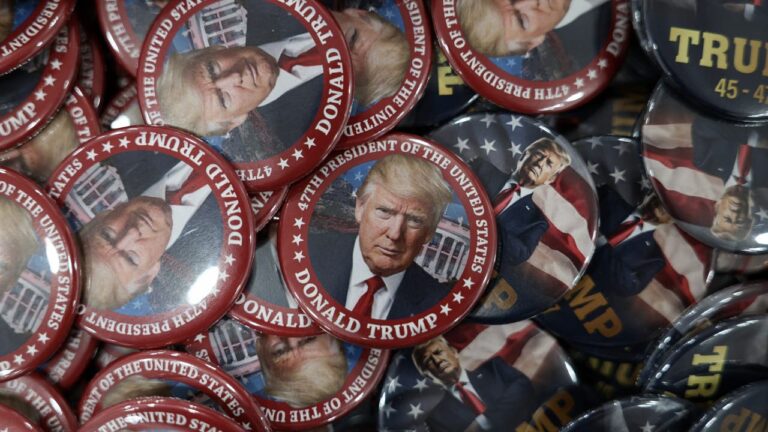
(685, 38)
(715, 45)
(754, 55)
(503, 296)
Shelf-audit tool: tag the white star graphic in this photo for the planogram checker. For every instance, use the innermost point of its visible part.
(310, 142)
(106, 147)
(602, 63)
(421, 385)
(298, 223)
(595, 141)
(445, 309)
(18, 359)
(199, 338)
(229, 259)
(592, 167)
(468, 283)
(592, 74)
(298, 154)
(393, 384)
(353, 194)
(623, 147)
(579, 83)
(618, 175)
(49, 80)
(648, 427)
(514, 122)
(56, 64)
(645, 183)
(457, 297)
(40, 95)
(247, 426)
(224, 276)
(762, 214)
(415, 411)
(43, 338)
(461, 144)
(32, 350)
(388, 410)
(514, 148)
(488, 119)
(511, 62)
(124, 142)
(297, 240)
(91, 154)
(283, 163)
(488, 146)
(298, 256)
(358, 176)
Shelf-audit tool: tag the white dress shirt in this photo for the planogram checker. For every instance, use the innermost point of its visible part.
(481, 420)
(384, 298)
(521, 193)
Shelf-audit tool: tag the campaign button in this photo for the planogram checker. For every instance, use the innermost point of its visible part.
(16, 422)
(269, 87)
(40, 281)
(166, 229)
(37, 400)
(711, 51)
(169, 373)
(391, 46)
(637, 413)
(28, 27)
(160, 413)
(710, 173)
(31, 94)
(545, 208)
(301, 382)
(740, 300)
(479, 374)
(707, 365)
(66, 367)
(265, 205)
(737, 411)
(266, 305)
(532, 59)
(388, 243)
(91, 77)
(645, 270)
(72, 126)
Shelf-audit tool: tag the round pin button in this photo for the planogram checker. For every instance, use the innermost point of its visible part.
(36, 399)
(479, 374)
(30, 95)
(302, 382)
(66, 367)
(73, 125)
(16, 422)
(266, 305)
(166, 229)
(638, 413)
(265, 205)
(125, 24)
(293, 73)
(740, 300)
(92, 73)
(122, 110)
(544, 203)
(725, 354)
(534, 60)
(737, 410)
(168, 373)
(708, 172)
(27, 28)
(645, 270)
(40, 279)
(709, 50)
(388, 243)
(160, 413)
(395, 60)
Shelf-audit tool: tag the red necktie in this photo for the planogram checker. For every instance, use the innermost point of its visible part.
(194, 182)
(743, 163)
(625, 230)
(364, 304)
(311, 57)
(470, 398)
(504, 197)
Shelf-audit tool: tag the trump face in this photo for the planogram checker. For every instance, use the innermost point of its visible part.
(441, 361)
(526, 22)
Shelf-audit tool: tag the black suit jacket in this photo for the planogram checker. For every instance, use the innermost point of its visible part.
(506, 392)
(331, 255)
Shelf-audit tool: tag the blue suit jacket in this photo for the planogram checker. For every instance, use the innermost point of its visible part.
(506, 392)
(331, 255)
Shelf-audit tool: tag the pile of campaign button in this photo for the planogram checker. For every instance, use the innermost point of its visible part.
(743, 409)
(545, 208)
(643, 413)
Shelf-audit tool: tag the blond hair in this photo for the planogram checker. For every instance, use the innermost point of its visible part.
(484, 28)
(313, 381)
(17, 235)
(133, 387)
(52, 145)
(410, 177)
(385, 64)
